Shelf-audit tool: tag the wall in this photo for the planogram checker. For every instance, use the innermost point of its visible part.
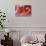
(38, 18)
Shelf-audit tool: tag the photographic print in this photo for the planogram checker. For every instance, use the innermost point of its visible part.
(23, 10)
